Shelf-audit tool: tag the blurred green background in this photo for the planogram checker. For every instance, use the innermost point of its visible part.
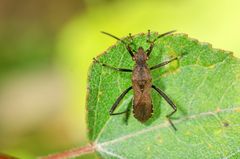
(46, 48)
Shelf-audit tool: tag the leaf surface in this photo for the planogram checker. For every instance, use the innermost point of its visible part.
(204, 84)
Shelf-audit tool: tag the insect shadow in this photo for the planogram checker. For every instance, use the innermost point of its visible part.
(141, 81)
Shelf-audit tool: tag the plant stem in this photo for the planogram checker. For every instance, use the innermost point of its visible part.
(71, 153)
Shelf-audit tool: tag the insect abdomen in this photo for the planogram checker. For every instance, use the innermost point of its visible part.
(142, 111)
(142, 103)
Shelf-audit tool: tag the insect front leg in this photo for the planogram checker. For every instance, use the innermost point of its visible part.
(129, 48)
(111, 112)
(130, 37)
(111, 67)
(149, 50)
(170, 102)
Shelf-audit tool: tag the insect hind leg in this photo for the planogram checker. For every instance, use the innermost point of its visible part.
(170, 102)
(169, 119)
(128, 111)
(111, 112)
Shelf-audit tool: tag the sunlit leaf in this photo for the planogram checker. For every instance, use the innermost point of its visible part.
(204, 84)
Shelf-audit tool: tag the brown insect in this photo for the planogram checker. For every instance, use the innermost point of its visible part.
(141, 81)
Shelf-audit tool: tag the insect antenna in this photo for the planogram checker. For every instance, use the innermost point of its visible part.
(164, 34)
(130, 50)
(113, 36)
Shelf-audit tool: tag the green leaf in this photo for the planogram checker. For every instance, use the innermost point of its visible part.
(204, 84)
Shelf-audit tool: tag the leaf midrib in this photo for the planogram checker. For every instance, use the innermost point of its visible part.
(166, 124)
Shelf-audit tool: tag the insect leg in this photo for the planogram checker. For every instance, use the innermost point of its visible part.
(114, 68)
(149, 50)
(130, 51)
(163, 63)
(170, 102)
(130, 37)
(128, 111)
(118, 101)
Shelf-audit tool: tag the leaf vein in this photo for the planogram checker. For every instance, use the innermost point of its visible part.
(164, 125)
(101, 149)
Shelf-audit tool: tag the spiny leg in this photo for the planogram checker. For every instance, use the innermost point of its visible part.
(130, 51)
(163, 63)
(149, 50)
(118, 101)
(170, 102)
(111, 67)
